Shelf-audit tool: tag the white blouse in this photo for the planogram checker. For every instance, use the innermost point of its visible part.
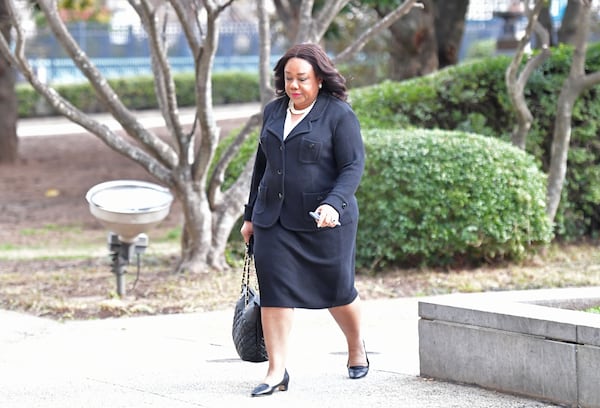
(288, 126)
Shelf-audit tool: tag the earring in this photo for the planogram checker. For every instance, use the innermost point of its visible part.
(321, 85)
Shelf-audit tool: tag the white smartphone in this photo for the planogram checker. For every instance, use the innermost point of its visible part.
(317, 217)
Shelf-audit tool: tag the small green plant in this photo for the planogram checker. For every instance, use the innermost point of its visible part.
(173, 234)
(595, 309)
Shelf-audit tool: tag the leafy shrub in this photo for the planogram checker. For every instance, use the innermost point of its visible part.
(482, 49)
(440, 197)
(138, 93)
(245, 153)
(235, 87)
(232, 173)
(27, 99)
(472, 97)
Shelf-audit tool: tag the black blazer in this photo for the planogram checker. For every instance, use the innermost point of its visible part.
(320, 162)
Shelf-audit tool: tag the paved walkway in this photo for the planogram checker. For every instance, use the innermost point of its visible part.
(58, 125)
(188, 360)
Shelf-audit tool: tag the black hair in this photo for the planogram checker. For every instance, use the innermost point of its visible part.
(333, 82)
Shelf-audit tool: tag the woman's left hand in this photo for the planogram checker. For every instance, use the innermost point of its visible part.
(328, 216)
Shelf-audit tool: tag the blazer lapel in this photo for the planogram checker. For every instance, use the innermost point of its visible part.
(306, 124)
(274, 125)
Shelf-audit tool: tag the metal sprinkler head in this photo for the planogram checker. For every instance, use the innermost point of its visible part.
(128, 209)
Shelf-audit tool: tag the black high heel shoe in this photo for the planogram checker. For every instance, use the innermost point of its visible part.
(356, 372)
(266, 389)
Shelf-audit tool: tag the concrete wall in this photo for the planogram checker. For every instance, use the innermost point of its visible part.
(509, 342)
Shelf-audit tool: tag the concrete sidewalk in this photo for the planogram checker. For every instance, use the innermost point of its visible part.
(59, 125)
(188, 360)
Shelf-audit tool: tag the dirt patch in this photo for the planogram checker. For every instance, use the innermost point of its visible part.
(43, 211)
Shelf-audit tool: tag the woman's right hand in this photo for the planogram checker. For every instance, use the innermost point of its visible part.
(247, 231)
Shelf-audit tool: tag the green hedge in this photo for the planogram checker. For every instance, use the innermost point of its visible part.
(441, 197)
(473, 97)
(137, 93)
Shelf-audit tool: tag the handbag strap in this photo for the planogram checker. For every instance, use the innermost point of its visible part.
(246, 272)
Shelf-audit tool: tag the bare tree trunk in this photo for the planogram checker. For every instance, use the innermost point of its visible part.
(289, 12)
(375, 30)
(545, 20)
(449, 28)
(574, 85)
(515, 82)
(413, 46)
(570, 22)
(9, 142)
(264, 70)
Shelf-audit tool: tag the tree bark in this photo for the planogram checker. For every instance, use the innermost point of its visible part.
(264, 69)
(516, 81)
(569, 23)
(288, 11)
(450, 19)
(9, 142)
(413, 47)
(545, 20)
(375, 30)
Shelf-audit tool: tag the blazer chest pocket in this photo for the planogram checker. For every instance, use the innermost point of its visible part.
(310, 151)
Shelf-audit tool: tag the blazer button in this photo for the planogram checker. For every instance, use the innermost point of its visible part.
(280, 195)
(279, 171)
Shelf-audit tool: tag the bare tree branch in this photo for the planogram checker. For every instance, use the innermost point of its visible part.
(67, 109)
(187, 13)
(222, 7)
(163, 79)
(264, 69)
(576, 83)
(383, 24)
(162, 151)
(218, 176)
(285, 12)
(325, 17)
(208, 126)
(305, 22)
(515, 82)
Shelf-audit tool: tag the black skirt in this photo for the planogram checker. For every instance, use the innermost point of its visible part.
(309, 270)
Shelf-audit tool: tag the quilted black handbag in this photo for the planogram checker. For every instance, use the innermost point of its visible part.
(247, 328)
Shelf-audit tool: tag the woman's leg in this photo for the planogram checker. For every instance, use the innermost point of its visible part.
(348, 317)
(276, 324)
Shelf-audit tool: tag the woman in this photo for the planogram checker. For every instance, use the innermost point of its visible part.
(310, 159)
